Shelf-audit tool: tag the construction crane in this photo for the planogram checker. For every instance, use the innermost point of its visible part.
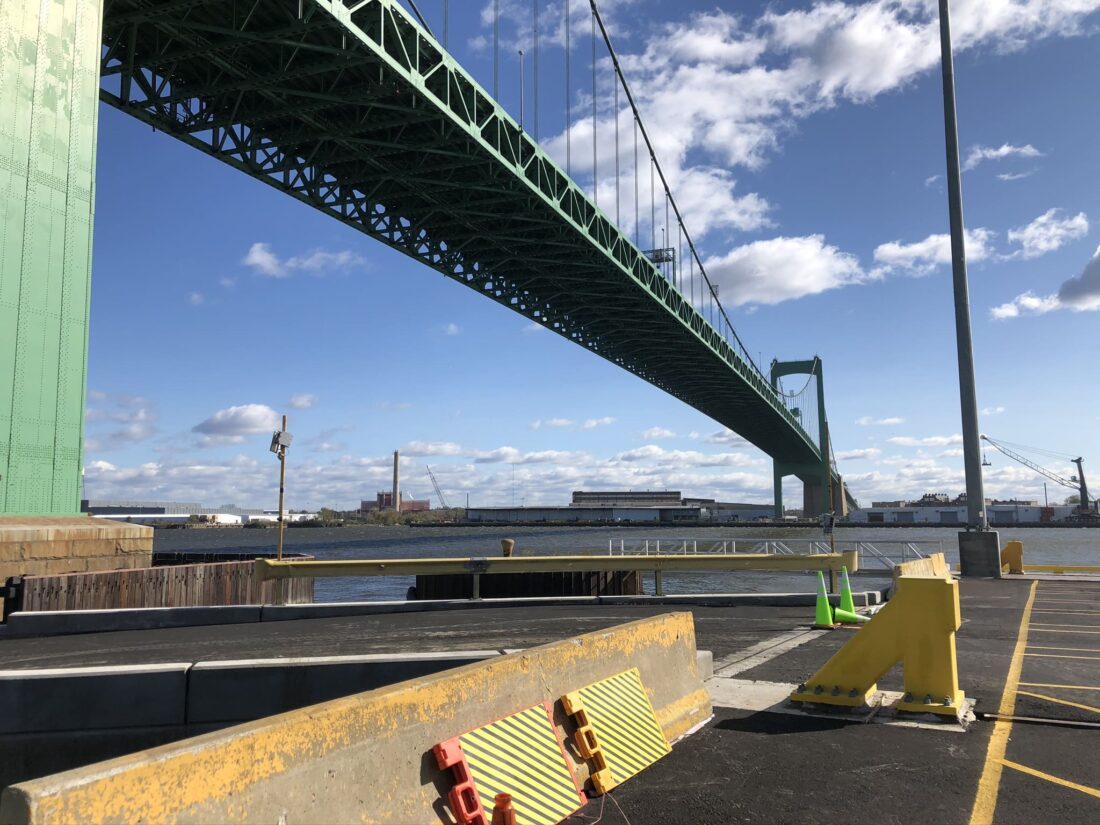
(438, 492)
(1077, 482)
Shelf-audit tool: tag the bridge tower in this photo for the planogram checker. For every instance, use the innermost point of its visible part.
(49, 97)
(819, 482)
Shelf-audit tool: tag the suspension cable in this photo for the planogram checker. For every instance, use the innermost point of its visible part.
(617, 193)
(420, 17)
(675, 208)
(637, 217)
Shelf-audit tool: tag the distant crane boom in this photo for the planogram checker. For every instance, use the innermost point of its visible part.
(1077, 483)
(438, 492)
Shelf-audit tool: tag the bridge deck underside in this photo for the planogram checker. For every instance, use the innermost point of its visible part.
(364, 117)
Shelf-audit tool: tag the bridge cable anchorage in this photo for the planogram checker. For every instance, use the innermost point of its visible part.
(741, 350)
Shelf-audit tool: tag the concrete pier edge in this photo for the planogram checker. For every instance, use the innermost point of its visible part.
(72, 622)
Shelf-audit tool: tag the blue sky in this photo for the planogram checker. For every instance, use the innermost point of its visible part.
(804, 142)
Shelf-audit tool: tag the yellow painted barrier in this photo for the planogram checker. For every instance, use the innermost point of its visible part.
(933, 565)
(366, 758)
(916, 628)
(1012, 557)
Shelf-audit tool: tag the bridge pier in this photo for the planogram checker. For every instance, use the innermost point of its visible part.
(49, 93)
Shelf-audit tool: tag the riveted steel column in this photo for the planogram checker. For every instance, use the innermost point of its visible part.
(49, 92)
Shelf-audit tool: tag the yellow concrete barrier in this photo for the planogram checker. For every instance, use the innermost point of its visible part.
(933, 565)
(365, 758)
(916, 628)
(1012, 557)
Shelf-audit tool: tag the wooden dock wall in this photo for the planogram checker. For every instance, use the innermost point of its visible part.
(184, 585)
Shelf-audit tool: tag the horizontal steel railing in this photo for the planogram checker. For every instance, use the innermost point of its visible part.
(267, 569)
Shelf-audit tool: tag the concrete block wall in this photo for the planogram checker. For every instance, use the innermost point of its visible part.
(53, 545)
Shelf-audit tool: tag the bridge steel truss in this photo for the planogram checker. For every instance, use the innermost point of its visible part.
(355, 110)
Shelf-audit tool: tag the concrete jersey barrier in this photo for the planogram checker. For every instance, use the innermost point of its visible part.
(366, 758)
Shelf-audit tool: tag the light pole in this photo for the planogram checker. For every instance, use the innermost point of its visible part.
(979, 554)
(280, 441)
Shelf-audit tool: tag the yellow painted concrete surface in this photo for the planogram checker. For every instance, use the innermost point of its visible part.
(933, 565)
(366, 758)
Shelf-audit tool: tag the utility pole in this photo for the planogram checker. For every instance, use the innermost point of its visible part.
(979, 554)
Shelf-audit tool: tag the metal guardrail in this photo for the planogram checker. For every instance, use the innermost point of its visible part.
(267, 569)
(885, 554)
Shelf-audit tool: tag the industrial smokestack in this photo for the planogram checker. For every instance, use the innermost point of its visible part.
(397, 481)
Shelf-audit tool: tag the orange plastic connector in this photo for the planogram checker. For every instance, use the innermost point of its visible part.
(587, 744)
(464, 799)
(503, 812)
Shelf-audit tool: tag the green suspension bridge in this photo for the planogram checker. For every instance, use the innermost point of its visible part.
(354, 108)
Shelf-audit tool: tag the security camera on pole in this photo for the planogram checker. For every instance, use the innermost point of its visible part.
(280, 441)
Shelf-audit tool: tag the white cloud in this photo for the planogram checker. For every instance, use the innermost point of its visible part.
(930, 441)
(780, 269)
(726, 437)
(922, 257)
(427, 448)
(118, 421)
(866, 454)
(979, 154)
(1011, 176)
(992, 410)
(1080, 294)
(196, 299)
(263, 260)
(1048, 232)
(227, 283)
(451, 329)
(868, 421)
(233, 424)
(931, 180)
(552, 422)
(593, 423)
(534, 326)
(302, 401)
(655, 433)
(954, 452)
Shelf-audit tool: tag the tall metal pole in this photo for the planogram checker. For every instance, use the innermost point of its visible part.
(972, 454)
(282, 491)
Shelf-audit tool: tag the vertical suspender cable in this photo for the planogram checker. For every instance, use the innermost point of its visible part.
(496, 49)
(535, 37)
(691, 244)
(637, 216)
(595, 162)
(568, 98)
(652, 202)
(446, 23)
(617, 197)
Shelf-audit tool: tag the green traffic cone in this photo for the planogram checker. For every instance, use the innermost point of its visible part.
(823, 612)
(846, 602)
(850, 617)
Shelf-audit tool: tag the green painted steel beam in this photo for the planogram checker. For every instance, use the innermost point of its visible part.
(354, 109)
(49, 80)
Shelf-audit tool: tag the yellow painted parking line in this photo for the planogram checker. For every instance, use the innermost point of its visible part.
(1057, 656)
(1064, 687)
(1073, 649)
(1062, 628)
(985, 800)
(1057, 701)
(1057, 780)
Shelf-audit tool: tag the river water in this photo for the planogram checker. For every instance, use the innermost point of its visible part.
(1041, 546)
